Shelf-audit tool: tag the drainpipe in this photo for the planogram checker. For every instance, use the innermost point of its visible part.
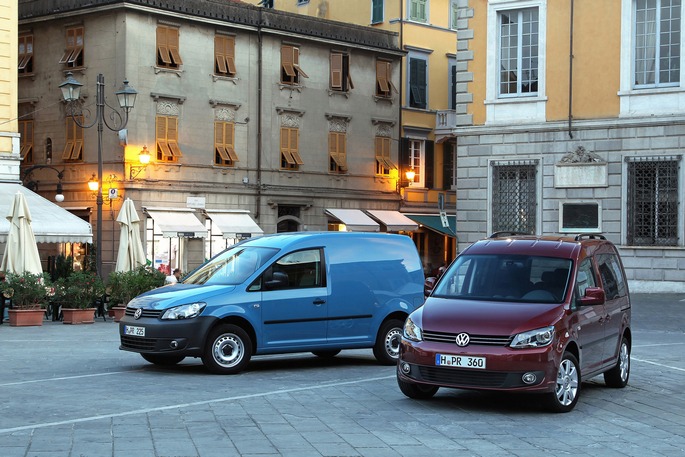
(399, 120)
(259, 118)
(570, 76)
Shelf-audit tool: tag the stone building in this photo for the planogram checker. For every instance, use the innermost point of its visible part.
(577, 125)
(256, 121)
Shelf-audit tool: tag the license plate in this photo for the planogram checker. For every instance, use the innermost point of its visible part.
(135, 331)
(460, 361)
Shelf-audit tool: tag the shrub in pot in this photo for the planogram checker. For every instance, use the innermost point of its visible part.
(79, 291)
(29, 294)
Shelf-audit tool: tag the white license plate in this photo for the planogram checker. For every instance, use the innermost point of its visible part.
(135, 331)
(460, 361)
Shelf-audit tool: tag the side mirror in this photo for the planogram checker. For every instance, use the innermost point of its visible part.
(593, 296)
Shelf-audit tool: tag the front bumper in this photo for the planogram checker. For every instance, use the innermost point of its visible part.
(505, 367)
(169, 337)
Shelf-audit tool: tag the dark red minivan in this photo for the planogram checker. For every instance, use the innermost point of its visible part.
(522, 313)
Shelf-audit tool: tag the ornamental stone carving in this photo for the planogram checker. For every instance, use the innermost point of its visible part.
(224, 114)
(337, 124)
(290, 120)
(384, 129)
(167, 108)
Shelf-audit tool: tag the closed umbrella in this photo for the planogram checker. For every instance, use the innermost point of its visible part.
(21, 251)
(131, 253)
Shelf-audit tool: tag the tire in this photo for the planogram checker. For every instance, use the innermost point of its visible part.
(567, 388)
(228, 350)
(326, 354)
(163, 360)
(387, 347)
(618, 376)
(417, 391)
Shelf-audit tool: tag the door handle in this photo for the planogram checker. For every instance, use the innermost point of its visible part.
(319, 301)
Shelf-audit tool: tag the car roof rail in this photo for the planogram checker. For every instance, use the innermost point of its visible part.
(590, 236)
(506, 233)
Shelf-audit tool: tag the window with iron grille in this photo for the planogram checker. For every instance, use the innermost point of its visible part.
(514, 198)
(653, 202)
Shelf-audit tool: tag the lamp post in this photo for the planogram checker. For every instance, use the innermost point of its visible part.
(71, 90)
(33, 185)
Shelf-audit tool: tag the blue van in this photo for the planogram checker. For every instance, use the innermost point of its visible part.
(292, 292)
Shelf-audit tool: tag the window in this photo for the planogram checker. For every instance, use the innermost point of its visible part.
(224, 140)
(73, 148)
(168, 55)
(376, 11)
(290, 65)
(653, 202)
(337, 152)
(418, 10)
(297, 270)
(448, 174)
(73, 54)
(224, 55)
(416, 162)
(585, 277)
(579, 217)
(384, 79)
(612, 277)
(514, 198)
(453, 86)
(518, 74)
(290, 156)
(657, 42)
(167, 139)
(26, 141)
(25, 54)
(340, 72)
(383, 162)
(417, 82)
(454, 14)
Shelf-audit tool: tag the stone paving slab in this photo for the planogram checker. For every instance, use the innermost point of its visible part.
(68, 391)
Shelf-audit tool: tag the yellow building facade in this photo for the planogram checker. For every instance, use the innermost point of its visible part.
(9, 136)
(429, 84)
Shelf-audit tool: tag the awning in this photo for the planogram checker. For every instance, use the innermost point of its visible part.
(176, 222)
(434, 223)
(234, 223)
(50, 222)
(394, 221)
(354, 219)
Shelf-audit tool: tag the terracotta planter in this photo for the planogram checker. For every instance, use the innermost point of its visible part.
(78, 316)
(26, 317)
(119, 312)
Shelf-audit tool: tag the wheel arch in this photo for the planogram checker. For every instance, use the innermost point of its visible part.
(242, 323)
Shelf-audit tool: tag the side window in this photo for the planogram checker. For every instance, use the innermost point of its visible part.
(297, 270)
(168, 54)
(73, 54)
(585, 277)
(612, 276)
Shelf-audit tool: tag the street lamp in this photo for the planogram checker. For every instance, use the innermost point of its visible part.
(71, 91)
(33, 185)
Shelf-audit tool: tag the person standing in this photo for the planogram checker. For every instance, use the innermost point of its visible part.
(174, 277)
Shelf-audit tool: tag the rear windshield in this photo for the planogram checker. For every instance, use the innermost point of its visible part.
(516, 278)
(231, 267)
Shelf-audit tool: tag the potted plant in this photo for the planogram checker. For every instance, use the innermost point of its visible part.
(125, 285)
(77, 294)
(29, 293)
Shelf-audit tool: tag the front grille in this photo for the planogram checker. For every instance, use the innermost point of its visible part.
(135, 342)
(484, 340)
(475, 378)
(146, 312)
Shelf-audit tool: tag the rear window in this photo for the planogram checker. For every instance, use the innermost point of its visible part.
(515, 278)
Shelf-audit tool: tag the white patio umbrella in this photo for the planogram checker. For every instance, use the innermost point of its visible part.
(21, 251)
(131, 253)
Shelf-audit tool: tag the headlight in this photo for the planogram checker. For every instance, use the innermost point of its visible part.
(184, 311)
(534, 338)
(412, 332)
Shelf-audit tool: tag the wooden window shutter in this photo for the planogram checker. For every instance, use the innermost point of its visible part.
(163, 151)
(219, 141)
(287, 61)
(296, 62)
(285, 146)
(336, 71)
(172, 41)
(230, 55)
(69, 145)
(429, 172)
(172, 136)
(162, 46)
(381, 78)
(295, 146)
(220, 55)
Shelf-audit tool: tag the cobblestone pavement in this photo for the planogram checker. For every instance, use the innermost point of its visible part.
(68, 391)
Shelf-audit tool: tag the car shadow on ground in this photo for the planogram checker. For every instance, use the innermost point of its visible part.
(299, 361)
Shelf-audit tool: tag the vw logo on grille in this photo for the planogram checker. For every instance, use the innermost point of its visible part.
(139, 312)
(462, 339)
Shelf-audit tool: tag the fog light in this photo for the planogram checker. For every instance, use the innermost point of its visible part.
(173, 344)
(529, 378)
(405, 367)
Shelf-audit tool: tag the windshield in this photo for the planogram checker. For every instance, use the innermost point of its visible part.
(516, 278)
(231, 267)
